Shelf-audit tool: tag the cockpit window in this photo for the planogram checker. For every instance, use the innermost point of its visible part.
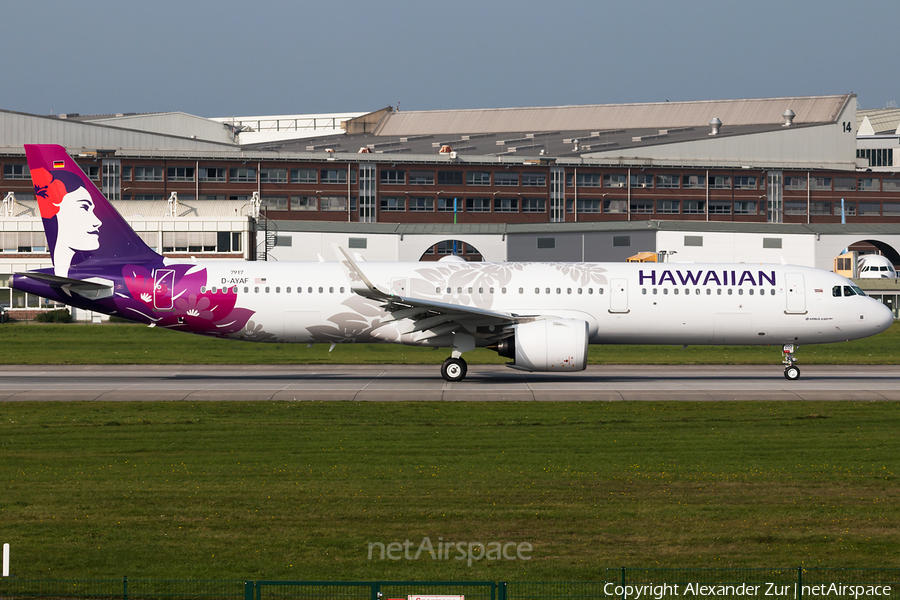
(848, 290)
(858, 291)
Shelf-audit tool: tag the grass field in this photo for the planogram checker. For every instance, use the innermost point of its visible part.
(33, 343)
(299, 490)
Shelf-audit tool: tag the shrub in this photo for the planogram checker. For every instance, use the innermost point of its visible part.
(61, 315)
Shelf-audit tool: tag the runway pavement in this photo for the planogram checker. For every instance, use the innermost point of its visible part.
(423, 382)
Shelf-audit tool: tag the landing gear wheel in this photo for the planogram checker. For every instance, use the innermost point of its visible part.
(454, 369)
(792, 373)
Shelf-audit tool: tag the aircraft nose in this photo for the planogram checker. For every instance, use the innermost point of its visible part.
(882, 316)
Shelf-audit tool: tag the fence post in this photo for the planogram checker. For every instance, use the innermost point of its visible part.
(501, 590)
(125, 587)
(799, 583)
(248, 590)
(623, 583)
(376, 590)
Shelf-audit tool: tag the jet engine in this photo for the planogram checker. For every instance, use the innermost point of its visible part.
(547, 345)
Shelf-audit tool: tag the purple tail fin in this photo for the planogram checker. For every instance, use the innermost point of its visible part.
(83, 229)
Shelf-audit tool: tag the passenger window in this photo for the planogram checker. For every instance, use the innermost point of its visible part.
(490, 290)
(449, 290)
(256, 290)
(644, 291)
(480, 290)
(310, 290)
(697, 291)
(719, 292)
(665, 291)
(470, 290)
(590, 290)
(579, 290)
(741, 292)
(568, 290)
(267, 289)
(730, 291)
(437, 290)
(202, 289)
(278, 290)
(599, 290)
(708, 291)
(246, 289)
(548, 290)
(654, 291)
(342, 289)
(772, 292)
(234, 290)
(321, 290)
(459, 290)
(675, 291)
(521, 291)
(751, 291)
(288, 290)
(537, 290)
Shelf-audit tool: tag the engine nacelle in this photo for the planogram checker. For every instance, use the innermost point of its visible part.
(548, 345)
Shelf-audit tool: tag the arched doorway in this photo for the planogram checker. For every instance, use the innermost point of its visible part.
(876, 247)
(465, 251)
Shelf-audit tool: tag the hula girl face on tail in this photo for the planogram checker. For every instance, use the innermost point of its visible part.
(68, 212)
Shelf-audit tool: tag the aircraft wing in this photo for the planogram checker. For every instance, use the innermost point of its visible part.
(431, 314)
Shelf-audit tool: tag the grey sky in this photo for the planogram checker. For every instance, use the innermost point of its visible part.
(277, 57)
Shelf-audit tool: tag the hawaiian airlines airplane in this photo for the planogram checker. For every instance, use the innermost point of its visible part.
(540, 315)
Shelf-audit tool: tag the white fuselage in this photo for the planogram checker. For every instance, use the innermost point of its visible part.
(622, 303)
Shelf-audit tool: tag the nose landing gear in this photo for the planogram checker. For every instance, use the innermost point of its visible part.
(791, 370)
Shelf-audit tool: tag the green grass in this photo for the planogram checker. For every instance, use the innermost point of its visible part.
(135, 344)
(298, 490)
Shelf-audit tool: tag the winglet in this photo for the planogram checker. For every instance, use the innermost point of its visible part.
(355, 275)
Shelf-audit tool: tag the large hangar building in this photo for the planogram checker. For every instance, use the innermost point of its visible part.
(796, 178)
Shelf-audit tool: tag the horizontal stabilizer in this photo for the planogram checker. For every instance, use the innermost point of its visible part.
(88, 289)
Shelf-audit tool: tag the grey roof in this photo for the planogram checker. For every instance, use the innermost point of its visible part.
(811, 109)
(882, 120)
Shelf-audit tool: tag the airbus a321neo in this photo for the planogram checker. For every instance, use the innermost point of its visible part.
(540, 315)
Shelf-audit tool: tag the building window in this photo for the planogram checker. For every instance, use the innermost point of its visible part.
(771, 242)
(642, 180)
(447, 205)
(283, 240)
(242, 175)
(720, 182)
(588, 206)
(272, 175)
(891, 209)
(869, 209)
(794, 207)
(450, 178)
(304, 176)
(126, 173)
(93, 172)
(506, 205)
(333, 203)
(16, 172)
(180, 173)
(334, 176)
(615, 206)
(584, 180)
(534, 205)
(642, 207)
(877, 157)
(546, 242)
(867, 184)
(849, 209)
(615, 180)
(357, 242)
(792, 182)
(693, 182)
(668, 181)
(534, 179)
(745, 182)
(719, 207)
(421, 205)
(478, 178)
(820, 183)
(506, 179)
(621, 240)
(274, 202)
(208, 174)
(845, 184)
(745, 208)
(392, 204)
(890, 185)
(393, 177)
(694, 207)
(478, 205)
(303, 203)
(421, 178)
(668, 207)
(820, 208)
(149, 197)
(693, 240)
(148, 173)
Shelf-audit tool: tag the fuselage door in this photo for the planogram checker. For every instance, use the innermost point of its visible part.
(618, 296)
(796, 296)
(164, 283)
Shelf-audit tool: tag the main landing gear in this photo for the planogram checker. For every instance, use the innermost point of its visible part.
(791, 370)
(454, 369)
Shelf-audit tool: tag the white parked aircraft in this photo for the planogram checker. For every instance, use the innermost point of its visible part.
(876, 266)
(542, 316)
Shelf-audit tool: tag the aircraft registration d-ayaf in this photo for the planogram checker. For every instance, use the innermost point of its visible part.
(542, 316)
